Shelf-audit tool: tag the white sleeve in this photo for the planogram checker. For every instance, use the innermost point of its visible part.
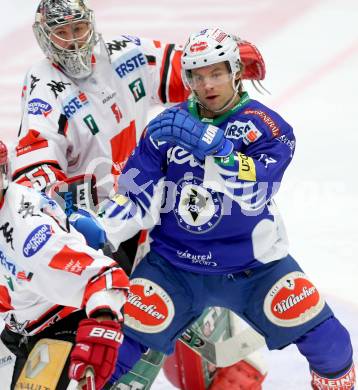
(164, 70)
(61, 264)
(44, 136)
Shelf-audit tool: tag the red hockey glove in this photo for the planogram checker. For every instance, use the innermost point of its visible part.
(97, 345)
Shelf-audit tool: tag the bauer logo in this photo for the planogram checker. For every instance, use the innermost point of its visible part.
(149, 308)
(293, 301)
(36, 240)
(39, 107)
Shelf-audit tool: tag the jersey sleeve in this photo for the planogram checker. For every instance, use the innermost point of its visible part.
(137, 204)
(252, 175)
(64, 270)
(43, 149)
(164, 60)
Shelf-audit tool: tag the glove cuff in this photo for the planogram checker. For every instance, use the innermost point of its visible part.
(226, 149)
(112, 300)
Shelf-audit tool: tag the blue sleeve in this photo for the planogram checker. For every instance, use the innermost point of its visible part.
(136, 205)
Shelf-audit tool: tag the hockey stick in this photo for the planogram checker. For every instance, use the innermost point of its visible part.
(88, 381)
(224, 353)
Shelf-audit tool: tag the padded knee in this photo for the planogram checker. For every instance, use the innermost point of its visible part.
(327, 347)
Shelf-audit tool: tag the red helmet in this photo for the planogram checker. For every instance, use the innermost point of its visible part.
(3, 154)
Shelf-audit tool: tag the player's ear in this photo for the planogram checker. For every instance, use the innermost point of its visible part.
(239, 74)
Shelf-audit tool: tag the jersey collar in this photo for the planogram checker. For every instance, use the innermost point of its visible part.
(193, 109)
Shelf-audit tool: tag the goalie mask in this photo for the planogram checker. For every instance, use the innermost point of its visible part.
(3, 168)
(66, 33)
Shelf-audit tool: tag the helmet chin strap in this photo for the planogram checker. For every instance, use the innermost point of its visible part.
(227, 104)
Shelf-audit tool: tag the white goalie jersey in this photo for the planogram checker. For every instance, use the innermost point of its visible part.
(91, 125)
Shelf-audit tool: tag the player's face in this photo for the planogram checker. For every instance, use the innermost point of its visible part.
(213, 86)
(70, 35)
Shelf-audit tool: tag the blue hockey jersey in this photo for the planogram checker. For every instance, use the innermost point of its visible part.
(216, 216)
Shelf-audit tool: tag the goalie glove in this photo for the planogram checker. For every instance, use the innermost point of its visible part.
(180, 128)
(97, 345)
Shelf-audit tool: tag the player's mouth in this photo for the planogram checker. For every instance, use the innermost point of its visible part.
(211, 97)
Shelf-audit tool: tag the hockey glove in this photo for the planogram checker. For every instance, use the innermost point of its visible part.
(180, 128)
(97, 345)
(85, 223)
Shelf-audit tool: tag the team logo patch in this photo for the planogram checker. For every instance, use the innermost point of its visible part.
(36, 240)
(200, 46)
(71, 261)
(149, 308)
(39, 107)
(198, 209)
(293, 301)
(137, 89)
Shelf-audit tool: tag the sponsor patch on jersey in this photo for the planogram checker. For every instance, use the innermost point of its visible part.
(228, 161)
(269, 122)
(75, 104)
(39, 107)
(196, 258)
(31, 142)
(137, 89)
(246, 131)
(197, 209)
(293, 301)
(8, 264)
(69, 260)
(129, 62)
(36, 240)
(285, 140)
(247, 168)
(8, 359)
(149, 308)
